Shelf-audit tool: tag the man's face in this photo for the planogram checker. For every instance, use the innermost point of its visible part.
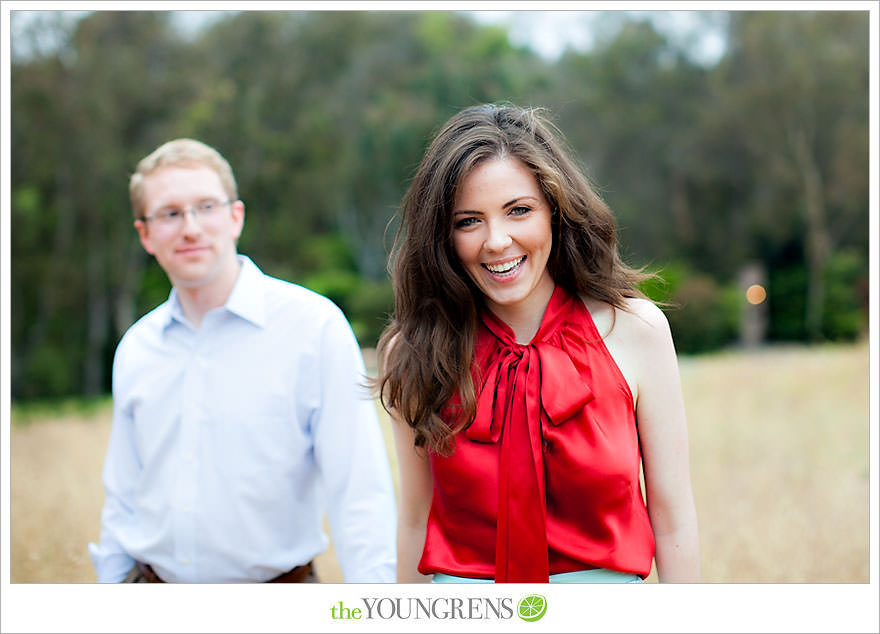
(194, 249)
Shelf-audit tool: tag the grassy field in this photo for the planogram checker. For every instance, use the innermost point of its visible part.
(779, 454)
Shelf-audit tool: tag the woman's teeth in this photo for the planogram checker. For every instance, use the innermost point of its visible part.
(507, 267)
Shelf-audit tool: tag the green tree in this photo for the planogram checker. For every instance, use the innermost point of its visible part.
(80, 117)
(325, 115)
(793, 90)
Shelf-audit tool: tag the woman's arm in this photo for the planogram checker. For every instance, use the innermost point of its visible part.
(416, 489)
(641, 344)
(663, 436)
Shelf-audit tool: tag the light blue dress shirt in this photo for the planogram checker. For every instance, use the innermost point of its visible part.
(229, 442)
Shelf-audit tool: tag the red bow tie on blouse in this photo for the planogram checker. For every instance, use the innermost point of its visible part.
(524, 386)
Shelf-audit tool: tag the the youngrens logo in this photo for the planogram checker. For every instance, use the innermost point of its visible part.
(530, 608)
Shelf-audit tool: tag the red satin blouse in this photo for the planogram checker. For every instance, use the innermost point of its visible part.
(546, 478)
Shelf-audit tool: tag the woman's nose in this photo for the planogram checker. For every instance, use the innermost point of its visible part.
(498, 238)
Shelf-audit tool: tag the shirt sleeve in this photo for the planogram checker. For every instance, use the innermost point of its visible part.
(121, 469)
(351, 455)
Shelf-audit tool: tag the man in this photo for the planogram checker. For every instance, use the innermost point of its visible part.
(239, 413)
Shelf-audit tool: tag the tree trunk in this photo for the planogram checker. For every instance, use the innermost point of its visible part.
(362, 231)
(59, 257)
(125, 304)
(96, 326)
(817, 243)
(681, 212)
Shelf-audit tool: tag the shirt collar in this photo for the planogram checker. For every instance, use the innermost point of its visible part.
(247, 299)
(248, 296)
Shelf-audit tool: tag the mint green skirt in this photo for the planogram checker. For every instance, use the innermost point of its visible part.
(594, 575)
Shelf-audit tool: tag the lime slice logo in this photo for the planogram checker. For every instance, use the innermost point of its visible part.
(532, 607)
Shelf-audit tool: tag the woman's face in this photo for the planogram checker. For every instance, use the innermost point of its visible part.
(502, 235)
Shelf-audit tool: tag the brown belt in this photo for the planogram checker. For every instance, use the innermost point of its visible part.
(296, 575)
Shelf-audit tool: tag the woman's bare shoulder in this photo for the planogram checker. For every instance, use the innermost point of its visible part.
(640, 318)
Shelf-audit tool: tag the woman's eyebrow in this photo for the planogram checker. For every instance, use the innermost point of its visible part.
(505, 205)
(517, 199)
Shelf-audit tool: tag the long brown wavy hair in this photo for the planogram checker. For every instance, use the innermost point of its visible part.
(427, 350)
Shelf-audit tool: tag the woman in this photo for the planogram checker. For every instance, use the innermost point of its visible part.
(526, 376)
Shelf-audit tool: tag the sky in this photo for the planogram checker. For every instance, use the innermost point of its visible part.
(548, 33)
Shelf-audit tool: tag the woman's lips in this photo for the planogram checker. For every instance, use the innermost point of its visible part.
(506, 269)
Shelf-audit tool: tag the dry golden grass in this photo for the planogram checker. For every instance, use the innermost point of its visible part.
(779, 454)
(55, 497)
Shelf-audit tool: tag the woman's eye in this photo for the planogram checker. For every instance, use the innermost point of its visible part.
(519, 210)
(465, 222)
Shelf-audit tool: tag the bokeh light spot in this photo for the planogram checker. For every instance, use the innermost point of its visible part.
(756, 294)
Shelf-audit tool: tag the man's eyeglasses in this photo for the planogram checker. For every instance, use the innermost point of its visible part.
(205, 211)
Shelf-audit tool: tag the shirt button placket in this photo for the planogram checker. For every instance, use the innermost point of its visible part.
(192, 402)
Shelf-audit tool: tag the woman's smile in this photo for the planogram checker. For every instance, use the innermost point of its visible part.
(506, 270)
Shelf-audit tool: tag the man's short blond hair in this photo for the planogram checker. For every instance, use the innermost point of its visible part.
(179, 153)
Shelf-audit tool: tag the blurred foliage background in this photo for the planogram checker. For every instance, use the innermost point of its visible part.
(759, 157)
